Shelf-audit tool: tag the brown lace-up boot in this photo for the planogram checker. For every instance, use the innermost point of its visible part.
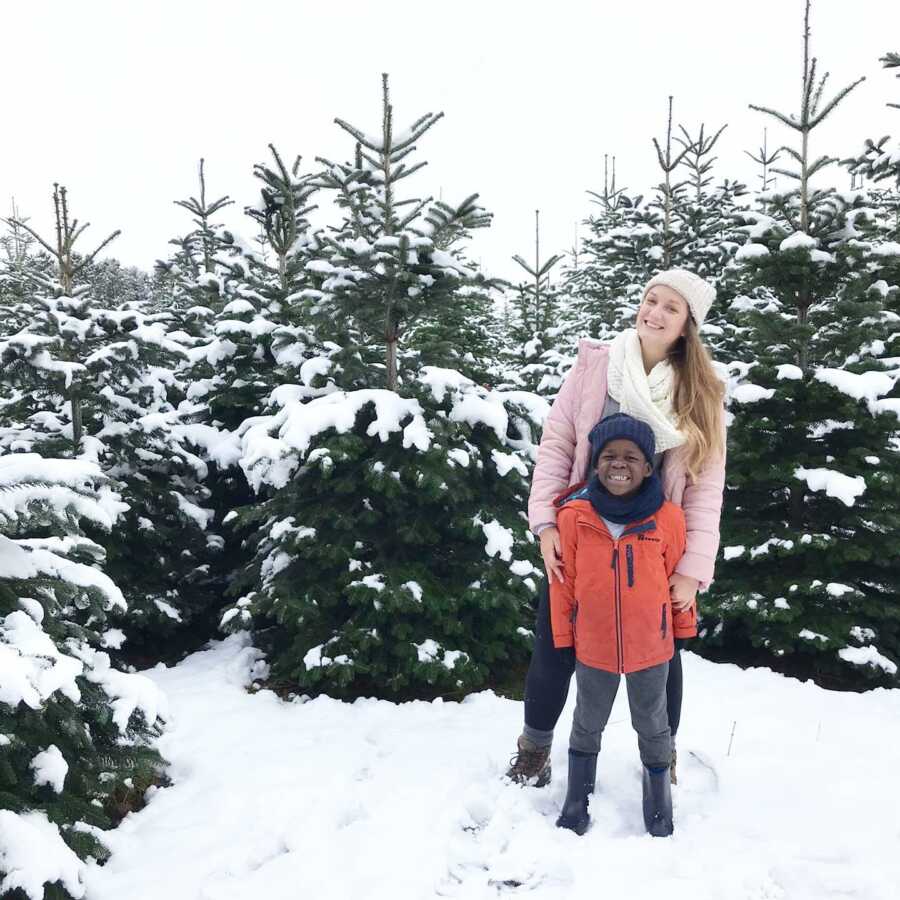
(531, 765)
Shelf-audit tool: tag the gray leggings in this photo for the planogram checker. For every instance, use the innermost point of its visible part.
(646, 699)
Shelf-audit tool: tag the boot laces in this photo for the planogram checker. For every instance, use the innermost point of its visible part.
(528, 763)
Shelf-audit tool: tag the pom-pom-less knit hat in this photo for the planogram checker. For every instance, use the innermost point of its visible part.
(698, 293)
(620, 425)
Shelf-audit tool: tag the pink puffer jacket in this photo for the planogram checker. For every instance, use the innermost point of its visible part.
(564, 454)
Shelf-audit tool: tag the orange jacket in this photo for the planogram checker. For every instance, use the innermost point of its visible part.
(614, 605)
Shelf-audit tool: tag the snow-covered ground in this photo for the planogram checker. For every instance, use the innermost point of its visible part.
(324, 800)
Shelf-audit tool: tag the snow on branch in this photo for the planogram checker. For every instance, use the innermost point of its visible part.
(272, 447)
(845, 488)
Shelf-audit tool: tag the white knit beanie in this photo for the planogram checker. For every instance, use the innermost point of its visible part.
(698, 293)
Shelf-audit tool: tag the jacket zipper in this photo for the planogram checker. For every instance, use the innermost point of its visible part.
(637, 529)
(620, 649)
(662, 624)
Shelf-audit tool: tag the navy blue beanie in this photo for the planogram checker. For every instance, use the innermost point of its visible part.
(618, 426)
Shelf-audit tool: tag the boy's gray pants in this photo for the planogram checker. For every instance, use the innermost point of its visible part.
(646, 698)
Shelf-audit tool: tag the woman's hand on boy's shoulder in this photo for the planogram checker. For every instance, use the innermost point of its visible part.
(682, 590)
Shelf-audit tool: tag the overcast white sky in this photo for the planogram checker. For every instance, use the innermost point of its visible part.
(119, 100)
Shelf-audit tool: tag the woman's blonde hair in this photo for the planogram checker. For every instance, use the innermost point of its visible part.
(697, 400)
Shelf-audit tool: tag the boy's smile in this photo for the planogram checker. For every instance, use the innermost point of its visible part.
(622, 468)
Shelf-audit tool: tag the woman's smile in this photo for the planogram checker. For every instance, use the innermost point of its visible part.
(662, 316)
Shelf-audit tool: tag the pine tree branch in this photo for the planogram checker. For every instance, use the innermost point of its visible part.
(809, 81)
(33, 233)
(420, 205)
(90, 258)
(280, 164)
(402, 154)
(74, 233)
(788, 174)
(374, 163)
(525, 266)
(777, 115)
(840, 96)
(819, 164)
(403, 172)
(715, 137)
(548, 265)
(659, 155)
(359, 137)
(419, 127)
(818, 96)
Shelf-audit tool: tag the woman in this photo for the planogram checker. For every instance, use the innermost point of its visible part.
(661, 373)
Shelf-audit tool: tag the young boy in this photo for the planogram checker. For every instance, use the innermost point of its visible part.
(621, 540)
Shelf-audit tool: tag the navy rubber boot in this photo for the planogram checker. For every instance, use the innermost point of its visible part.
(582, 775)
(658, 801)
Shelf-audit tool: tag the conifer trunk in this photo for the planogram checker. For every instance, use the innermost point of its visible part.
(392, 381)
(803, 298)
(667, 221)
(77, 428)
(537, 267)
(391, 334)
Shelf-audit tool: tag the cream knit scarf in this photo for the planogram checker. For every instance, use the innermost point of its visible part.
(647, 397)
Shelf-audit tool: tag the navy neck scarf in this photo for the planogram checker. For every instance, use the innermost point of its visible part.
(621, 511)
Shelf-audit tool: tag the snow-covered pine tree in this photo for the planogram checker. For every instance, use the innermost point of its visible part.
(259, 343)
(260, 338)
(670, 196)
(202, 276)
(390, 552)
(880, 162)
(75, 733)
(222, 324)
(274, 342)
(113, 285)
(534, 362)
(63, 315)
(93, 383)
(21, 262)
(384, 267)
(808, 582)
(612, 258)
(706, 235)
(633, 239)
(391, 558)
(194, 263)
(733, 287)
(766, 161)
(204, 281)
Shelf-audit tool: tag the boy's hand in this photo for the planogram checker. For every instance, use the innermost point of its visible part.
(682, 588)
(551, 550)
